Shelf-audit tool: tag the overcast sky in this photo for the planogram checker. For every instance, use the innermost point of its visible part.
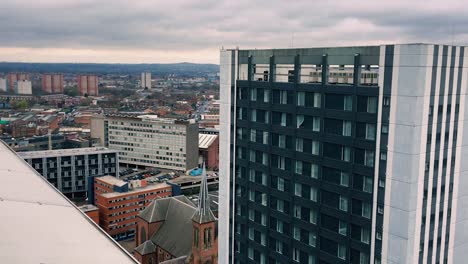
(153, 31)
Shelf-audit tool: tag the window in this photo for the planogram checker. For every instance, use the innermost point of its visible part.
(364, 258)
(386, 101)
(367, 184)
(283, 119)
(253, 135)
(378, 235)
(343, 228)
(346, 153)
(381, 183)
(372, 105)
(251, 233)
(298, 189)
(296, 255)
(280, 184)
(312, 239)
(296, 233)
(280, 205)
(250, 253)
(253, 94)
(317, 100)
(313, 216)
(365, 235)
(380, 209)
(301, 98)
(299, 144)
(279, 226)
(298, 169)
(366, 210)
(344, 179)
(348, 103)
(253, 115)
(251, 215)
(316, 124)
(313, 194)
(283, 97)
(279, 246)
(266, 96)
(383, 155)
(347, 127)
(195, 237)
(370, 131)
(314, 168)
(315, 147)
(282, 141)
(341, 252)
(369, 158)
(343, 204)
(297, 211)
(384, 129)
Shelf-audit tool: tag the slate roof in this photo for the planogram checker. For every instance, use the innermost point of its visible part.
(181, 260)
(175, 234)
(146, 248)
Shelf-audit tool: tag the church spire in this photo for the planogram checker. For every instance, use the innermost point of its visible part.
(204, 213)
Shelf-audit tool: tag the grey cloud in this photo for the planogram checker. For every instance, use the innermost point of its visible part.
(195, 25)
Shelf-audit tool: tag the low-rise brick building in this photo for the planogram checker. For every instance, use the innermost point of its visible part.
(119, 202)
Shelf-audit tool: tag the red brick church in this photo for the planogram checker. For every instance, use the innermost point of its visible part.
(175, 231)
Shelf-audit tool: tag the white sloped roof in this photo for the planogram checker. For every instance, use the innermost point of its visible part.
(39, 225)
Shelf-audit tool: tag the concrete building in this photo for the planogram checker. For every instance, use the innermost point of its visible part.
(119, 202)
(23, 87)
(14, 77)
(52, 83)
(34, 212)
(146, 80)
(72, 170)
(3, 85)
(174, 230)
(351, 155)
(150, 141)
(88, 85)
(208, 146)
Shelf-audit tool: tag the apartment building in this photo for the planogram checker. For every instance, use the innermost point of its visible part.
(72, 170)
(344, 155)
(120, 201)
(151, 141)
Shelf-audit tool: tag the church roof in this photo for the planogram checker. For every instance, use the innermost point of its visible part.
(204, 213)
(146, 248)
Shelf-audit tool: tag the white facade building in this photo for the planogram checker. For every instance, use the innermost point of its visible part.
(150, 141)
(23, 87)
(3, 85)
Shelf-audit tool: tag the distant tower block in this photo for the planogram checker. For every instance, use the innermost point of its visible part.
(52, 83)
(146, 80)
(13, 77)
(88, 85)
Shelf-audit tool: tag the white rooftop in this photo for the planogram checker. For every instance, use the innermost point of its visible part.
(64, 152)
(205, 140)
(39, 225)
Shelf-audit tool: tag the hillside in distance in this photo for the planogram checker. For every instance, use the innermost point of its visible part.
(102, 68)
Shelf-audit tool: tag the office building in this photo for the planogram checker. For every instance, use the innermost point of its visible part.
(88, 85)
(344, 155)
(52, 83)
(146, 80)
(34, 212)
(23, 87)
(208, 146)
(120, 201)
(13, 77)
(3, 85)
(71, 170)
(150, 141)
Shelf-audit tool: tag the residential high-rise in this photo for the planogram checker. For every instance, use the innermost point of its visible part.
(146, 80)
(23, 87)
(150, 141)
(344, 155)
(52, 83)
(3, 85)
(13, 77)
(71, 171)
(88, 85)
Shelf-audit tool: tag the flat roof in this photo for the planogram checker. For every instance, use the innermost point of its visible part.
(33, 212)
(88, 207)
(64, 152)
(149, 187)
(112, 180)
(205, 140)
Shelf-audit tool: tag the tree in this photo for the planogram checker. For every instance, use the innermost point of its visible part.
(22, 104)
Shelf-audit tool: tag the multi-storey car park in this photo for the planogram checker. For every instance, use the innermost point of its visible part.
(343, 155)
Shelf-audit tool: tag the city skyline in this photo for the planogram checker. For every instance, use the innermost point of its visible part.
(183, 31)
